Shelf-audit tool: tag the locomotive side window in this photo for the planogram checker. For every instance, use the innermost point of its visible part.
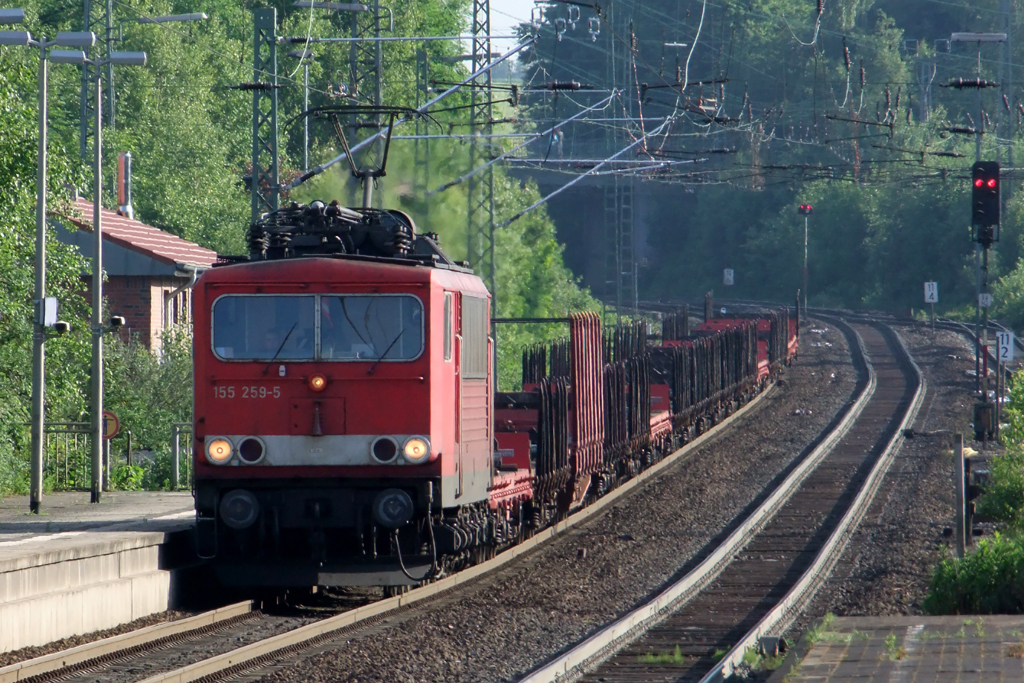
(264, 327)
(447, 326)
(474, 338)
(371, 327)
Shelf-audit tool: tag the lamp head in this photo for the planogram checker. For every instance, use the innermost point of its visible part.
(79, 39)
(12, 16)
(13, 38)
(127, 58)
(76, 57)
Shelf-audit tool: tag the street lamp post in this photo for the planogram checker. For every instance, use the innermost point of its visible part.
(98, 328)
(304, 56)
(41, 320)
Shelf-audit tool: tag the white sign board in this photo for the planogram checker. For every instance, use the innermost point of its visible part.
(931, 292)
(48, 312)
(1005, 346)
(729, 277)
(984, 300)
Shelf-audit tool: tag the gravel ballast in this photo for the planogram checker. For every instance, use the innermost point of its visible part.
(887, 567)
(511, 622)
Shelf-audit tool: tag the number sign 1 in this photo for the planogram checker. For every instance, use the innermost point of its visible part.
(931, 292)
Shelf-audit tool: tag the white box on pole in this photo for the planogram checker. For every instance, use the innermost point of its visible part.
(931, 292)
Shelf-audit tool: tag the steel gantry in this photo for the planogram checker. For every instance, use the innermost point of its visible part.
(480, 230)
(264, 174)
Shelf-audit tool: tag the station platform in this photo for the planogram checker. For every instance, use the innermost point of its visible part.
(79, 567)
(948, 649)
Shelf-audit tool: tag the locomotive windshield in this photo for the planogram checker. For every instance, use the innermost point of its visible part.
(265, 327)
(285, 327)
(375, 327)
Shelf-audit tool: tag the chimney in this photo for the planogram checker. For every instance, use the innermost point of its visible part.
(124, 185)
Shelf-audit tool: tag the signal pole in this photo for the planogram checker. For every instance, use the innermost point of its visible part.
(986, 223)
(985, 214)
(806, 210)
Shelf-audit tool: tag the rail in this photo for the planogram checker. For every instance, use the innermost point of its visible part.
(800, 595)
(614, 637)
(257, 654)
(59, 665)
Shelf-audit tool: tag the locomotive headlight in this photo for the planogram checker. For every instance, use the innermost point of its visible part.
(218, 451)
(317, 383)
(417, 450)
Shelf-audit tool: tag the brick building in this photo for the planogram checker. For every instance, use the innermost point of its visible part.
(150, 273)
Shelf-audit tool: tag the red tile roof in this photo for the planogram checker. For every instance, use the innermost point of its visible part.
(144, 239)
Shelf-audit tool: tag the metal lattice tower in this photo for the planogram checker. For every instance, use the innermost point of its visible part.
(265, 190)
(98, 19)
(365, 70)
(480, 233)
(421, 148)
(1006, 129)
(619, 242)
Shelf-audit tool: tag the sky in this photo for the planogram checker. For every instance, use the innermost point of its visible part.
(505, 14)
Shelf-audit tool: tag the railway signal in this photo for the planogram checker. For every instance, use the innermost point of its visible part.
(985, 202)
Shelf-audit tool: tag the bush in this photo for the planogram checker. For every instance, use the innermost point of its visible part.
(988, 581)
(1003, 500)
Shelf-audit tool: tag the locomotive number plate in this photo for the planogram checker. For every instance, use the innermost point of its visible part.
(246, 392)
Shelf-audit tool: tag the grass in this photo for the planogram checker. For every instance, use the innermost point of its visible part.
(894, 651)
(820, 630)
(758, 662)
(675, 658)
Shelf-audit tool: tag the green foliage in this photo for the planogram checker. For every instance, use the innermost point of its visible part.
(1003, 500)
(149, 394)
(68, 355)
(988, 581)
(991, 580)
(190, 136)
(127, 478)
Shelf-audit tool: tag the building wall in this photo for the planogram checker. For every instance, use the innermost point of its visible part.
(140, 299)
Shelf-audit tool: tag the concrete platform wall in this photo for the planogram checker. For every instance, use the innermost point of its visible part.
(86, 582)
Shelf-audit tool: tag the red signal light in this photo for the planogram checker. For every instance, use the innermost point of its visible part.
(992, 182)
(979, 182)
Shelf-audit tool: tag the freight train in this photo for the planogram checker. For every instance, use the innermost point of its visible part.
(347, 430)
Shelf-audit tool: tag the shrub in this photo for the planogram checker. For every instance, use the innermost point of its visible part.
(988, 581)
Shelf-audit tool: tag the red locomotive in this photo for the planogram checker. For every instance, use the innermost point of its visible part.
(346, 427)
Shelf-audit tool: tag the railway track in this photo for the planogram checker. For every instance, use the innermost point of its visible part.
(159, 658)
(771, 576)
(246, 641)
